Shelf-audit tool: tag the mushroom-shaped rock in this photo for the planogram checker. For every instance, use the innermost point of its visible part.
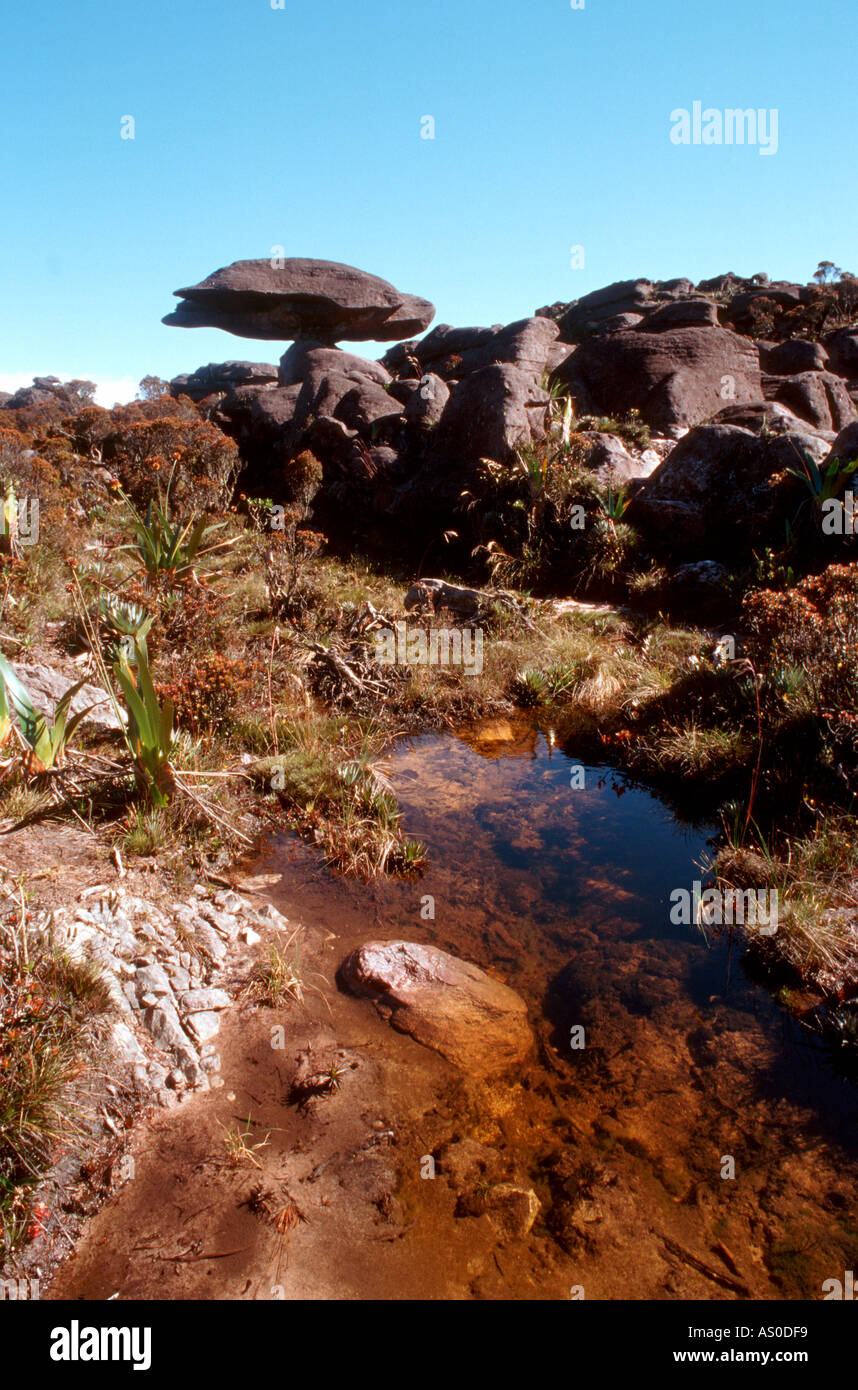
(297, 298)
(444, 1003)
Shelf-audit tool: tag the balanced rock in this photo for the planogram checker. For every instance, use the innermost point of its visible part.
(444, 1003)
(297, 298)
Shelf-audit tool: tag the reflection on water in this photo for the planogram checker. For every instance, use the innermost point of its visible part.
(564, 891)
(513, 833)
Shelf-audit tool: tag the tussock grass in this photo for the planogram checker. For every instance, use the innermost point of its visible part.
(280, 977)
(816, 877)
(52, 1012)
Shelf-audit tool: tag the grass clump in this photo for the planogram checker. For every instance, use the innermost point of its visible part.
(236, 1142)
(52, 1011)
(279, 978)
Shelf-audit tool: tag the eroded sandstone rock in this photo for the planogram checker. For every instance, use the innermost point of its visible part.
(675, 379)
(300, 298)
(715, 485)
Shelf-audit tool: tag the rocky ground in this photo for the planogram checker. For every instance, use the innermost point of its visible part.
(721, 366)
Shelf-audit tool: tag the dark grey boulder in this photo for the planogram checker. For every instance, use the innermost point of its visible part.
(794, 356)
(682, 313)
(613, 296)
(585, 315)
(428, 402)
(492, 412)
(444, 339)
(700, 578)
(715, 485)
(404, 389)
(820, 398)
(530, 344)
(300, 298)
(608, 458)
(759, 417)
(675, 379)
(845, 446)
(842, 348)
(720, 284)
(222, 377)
(678, 287)
(356, 400)
(616, 323)
(273, 410)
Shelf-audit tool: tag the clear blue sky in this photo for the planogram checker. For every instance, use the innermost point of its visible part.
(300, 127)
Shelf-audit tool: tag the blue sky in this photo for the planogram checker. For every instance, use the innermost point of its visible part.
(257, 127)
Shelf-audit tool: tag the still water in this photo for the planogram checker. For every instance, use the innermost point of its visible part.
(707, 1107)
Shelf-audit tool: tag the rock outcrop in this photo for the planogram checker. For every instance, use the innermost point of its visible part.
(401, 440)
(165, 972)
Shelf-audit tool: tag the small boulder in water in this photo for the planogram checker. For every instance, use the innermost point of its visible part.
(444, 1003)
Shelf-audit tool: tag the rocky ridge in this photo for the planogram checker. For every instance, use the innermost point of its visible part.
(715, 370)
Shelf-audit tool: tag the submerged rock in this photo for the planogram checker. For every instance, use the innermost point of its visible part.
(466, 1162)
(444, 1003)
(513, 1209)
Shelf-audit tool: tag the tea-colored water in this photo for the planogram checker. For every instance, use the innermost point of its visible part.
(696, 1110)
